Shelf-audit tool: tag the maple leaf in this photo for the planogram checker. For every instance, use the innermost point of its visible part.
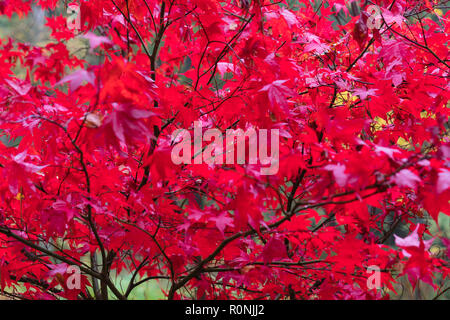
(415, 249)
(274, 249)
(290, 18)
(55, 269)
(160, 163)
(314, 43)
(95, 40)
(124, 125)
(19, 172)
(137, 70)
(58, 25)
(391, 17)
(388, 151)
(443, 182)
(406, 178)
(338, 173)
(446, 242)
(5, 279)
(360, 32)
(318, 47)
(76, 78)
(278, 93)
(222, 221)
(21, 88)
(224, 67)
(364, 93)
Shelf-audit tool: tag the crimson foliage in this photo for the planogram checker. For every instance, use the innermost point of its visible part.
(362, 110)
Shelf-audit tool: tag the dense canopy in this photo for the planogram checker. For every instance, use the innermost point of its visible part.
(358, 90)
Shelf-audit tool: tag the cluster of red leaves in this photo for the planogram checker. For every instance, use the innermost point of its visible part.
(363, 116)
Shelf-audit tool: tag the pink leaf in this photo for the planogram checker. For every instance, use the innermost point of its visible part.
(443, 182)
(278, 93)
(274, 249)
(406, 178)
(338, 173)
